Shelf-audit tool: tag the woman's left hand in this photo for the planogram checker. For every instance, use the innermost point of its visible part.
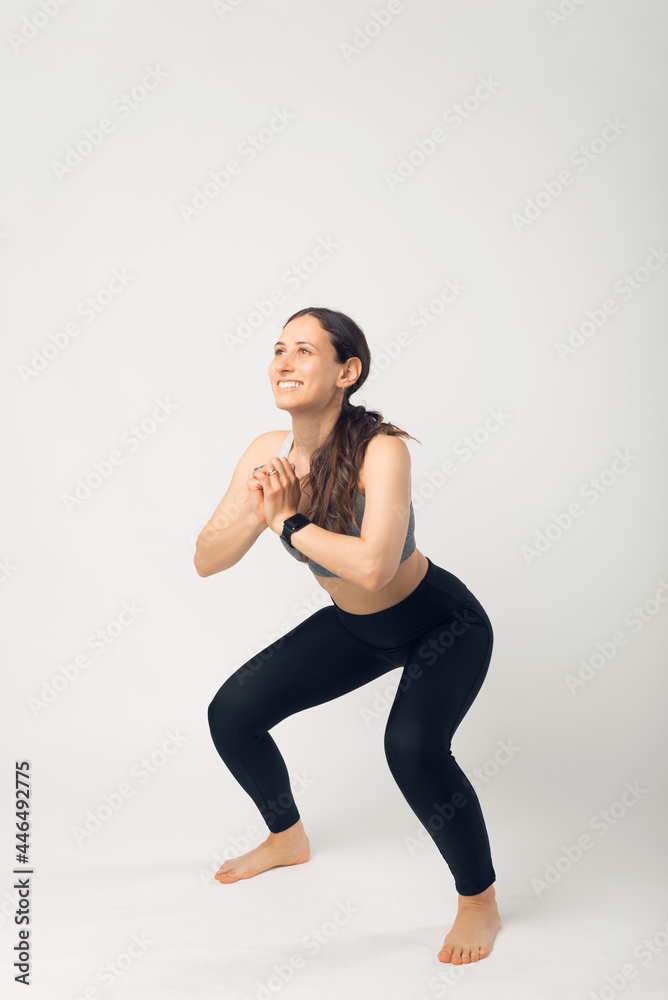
(282, 492)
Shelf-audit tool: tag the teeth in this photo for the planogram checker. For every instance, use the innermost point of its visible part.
(282, 384)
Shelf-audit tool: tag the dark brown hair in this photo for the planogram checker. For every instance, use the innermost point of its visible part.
(333, 477)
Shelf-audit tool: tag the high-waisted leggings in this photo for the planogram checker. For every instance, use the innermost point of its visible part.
(440, 634)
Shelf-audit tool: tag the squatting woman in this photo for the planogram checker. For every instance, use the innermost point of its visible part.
(336, 489)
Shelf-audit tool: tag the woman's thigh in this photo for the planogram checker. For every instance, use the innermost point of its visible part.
(444, 670)
(313, 663)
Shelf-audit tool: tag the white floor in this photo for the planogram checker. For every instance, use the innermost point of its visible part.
(356, 922)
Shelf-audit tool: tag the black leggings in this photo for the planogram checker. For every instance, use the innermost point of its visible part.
(441, 635)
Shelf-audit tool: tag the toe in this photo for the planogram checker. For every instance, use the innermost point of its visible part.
(226, 877)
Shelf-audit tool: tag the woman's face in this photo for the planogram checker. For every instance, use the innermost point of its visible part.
(304, 354)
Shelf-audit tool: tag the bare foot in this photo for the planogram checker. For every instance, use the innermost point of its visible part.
(474, 929)
(291, 847)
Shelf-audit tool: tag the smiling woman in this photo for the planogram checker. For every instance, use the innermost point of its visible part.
(336, 489)
(333, 458)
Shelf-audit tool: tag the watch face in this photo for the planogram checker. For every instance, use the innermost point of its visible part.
(292, 524)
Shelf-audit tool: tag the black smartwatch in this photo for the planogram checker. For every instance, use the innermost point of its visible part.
(291, 524)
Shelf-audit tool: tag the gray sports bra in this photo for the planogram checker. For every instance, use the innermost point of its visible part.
(316, 568)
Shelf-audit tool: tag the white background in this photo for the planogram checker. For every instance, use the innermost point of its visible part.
(361, 99)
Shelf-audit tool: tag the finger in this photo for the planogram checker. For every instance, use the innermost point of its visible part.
(275, 468)
(283, 465)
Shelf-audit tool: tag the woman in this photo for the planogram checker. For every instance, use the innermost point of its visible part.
(392, 606)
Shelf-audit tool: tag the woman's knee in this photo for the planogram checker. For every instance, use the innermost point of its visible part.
(217, 712)
(411, 747)
(234, 703)
(225, 708)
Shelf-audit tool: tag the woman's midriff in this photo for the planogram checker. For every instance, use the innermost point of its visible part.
(356, 600)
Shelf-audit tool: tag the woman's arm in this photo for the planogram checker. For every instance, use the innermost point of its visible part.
(233, 527)
(372, 559)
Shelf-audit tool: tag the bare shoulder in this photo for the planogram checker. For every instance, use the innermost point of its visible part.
(236, 502)
(261, 450)
(384, 452)
(270, 437)
(267, 445)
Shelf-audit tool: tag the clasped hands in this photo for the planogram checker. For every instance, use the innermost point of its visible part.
(274, 497)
